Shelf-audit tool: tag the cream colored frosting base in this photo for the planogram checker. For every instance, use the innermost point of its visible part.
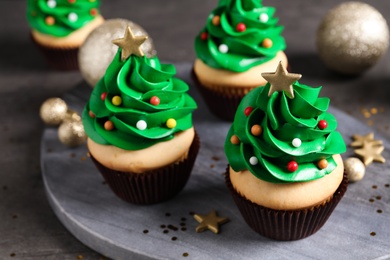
(211, 78)
(75, 39)
(290, 196)
(139, 161)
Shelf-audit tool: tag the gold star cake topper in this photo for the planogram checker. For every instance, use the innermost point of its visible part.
(370, 152)
(281, 80)
(130, 44)
(358, 140)
(210, 221)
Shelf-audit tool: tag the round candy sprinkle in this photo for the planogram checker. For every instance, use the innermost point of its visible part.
(116, 100)
(72, 1)
(155, 101)
(51, 3)
(241, 27)
(292, 166)
(267, 43)
(263, 17)
(50, 20)
(322, 124)
(73, 17)
(256, 130)
(171, 123)
(108, 125)
(216, 20)
(93, 12)
(223, 48)
(141, 125)
(103, 96)
(234, 139)
(253, 160)
(248, 111)
(296, 142)
(204, 36)
(91, 114)
(322, 164)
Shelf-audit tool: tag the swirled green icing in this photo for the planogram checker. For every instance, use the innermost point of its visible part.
(136, 80)
(68, 15)
(283, 119)
(245, 49)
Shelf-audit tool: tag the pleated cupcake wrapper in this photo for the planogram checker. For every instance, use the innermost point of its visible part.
(286, 224)
(60, 58)
(153, 186)
(222, 102)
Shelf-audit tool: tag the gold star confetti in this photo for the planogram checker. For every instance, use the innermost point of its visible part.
(360, 139)
(210, 221)
(130, 44)
(281, 80)
(370, 152)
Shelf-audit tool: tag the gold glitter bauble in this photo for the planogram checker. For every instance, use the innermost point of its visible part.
(97, 51)
(53, 111)
(71, 133)
(352, 37)
(355, 169)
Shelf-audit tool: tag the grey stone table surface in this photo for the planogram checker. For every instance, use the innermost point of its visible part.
(29, 229)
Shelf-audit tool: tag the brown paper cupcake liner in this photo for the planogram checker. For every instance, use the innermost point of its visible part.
(59, 58)
(152, 186)
(286, 224)
(222, 102)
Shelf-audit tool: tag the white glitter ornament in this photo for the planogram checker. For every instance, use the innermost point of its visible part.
(73, 17)
(141, 125)
(253, 160)
(223, 48)
(296, 142)
(352, 37)
(51, 3)
(354, 168)
(264, 18)
(92, 66)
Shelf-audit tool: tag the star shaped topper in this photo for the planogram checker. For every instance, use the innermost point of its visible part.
(130, 44)
(281, 80)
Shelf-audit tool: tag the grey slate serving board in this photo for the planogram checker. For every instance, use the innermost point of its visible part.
(116, 229)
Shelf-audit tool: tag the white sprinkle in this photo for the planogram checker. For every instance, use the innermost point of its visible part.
(73, 17)
(141, 125)
(223, 48)
(51, 3)
(296, 142)
(253, 160)
(264, 17)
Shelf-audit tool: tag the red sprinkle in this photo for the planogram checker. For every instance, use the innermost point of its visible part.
(322, 124)
(93, 11)
(248, 111)
(241, 27)
(204, 36)
(155, 101)
(72, 1)
(91, 114)
(292, 166)
(103, 96)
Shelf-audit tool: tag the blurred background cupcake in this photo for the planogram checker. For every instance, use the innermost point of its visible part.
(59, 27)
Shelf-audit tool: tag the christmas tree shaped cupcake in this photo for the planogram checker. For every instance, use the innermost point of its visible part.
(59, 27)
(241, 40)
(139, 126)
(286, 174)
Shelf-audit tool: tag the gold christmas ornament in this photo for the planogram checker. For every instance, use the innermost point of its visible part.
(53, 111)
(354, 168)
(370, 152)
(97, 51)
(210, 221)
(71, 133)
(352, 37)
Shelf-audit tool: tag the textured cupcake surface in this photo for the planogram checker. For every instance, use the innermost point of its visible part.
(239, 35)
(137, 104)
(61, 17)
(281, 139)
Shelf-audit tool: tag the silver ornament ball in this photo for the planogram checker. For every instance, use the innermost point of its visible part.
(71, 133)
(352, 37)
(97, 52)
(53, 111)
(355, 169)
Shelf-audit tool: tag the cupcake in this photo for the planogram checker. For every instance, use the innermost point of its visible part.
(241, 40)
(139, 126)
(59, 27)
(285, 171)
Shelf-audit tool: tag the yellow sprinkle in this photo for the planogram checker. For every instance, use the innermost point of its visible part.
(374, 110)
(171, 123)
(116, 100)
(367, 114)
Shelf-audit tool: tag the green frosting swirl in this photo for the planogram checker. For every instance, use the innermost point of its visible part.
(245, 49)
(65, 16)
(283, 119)
(136, 80)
